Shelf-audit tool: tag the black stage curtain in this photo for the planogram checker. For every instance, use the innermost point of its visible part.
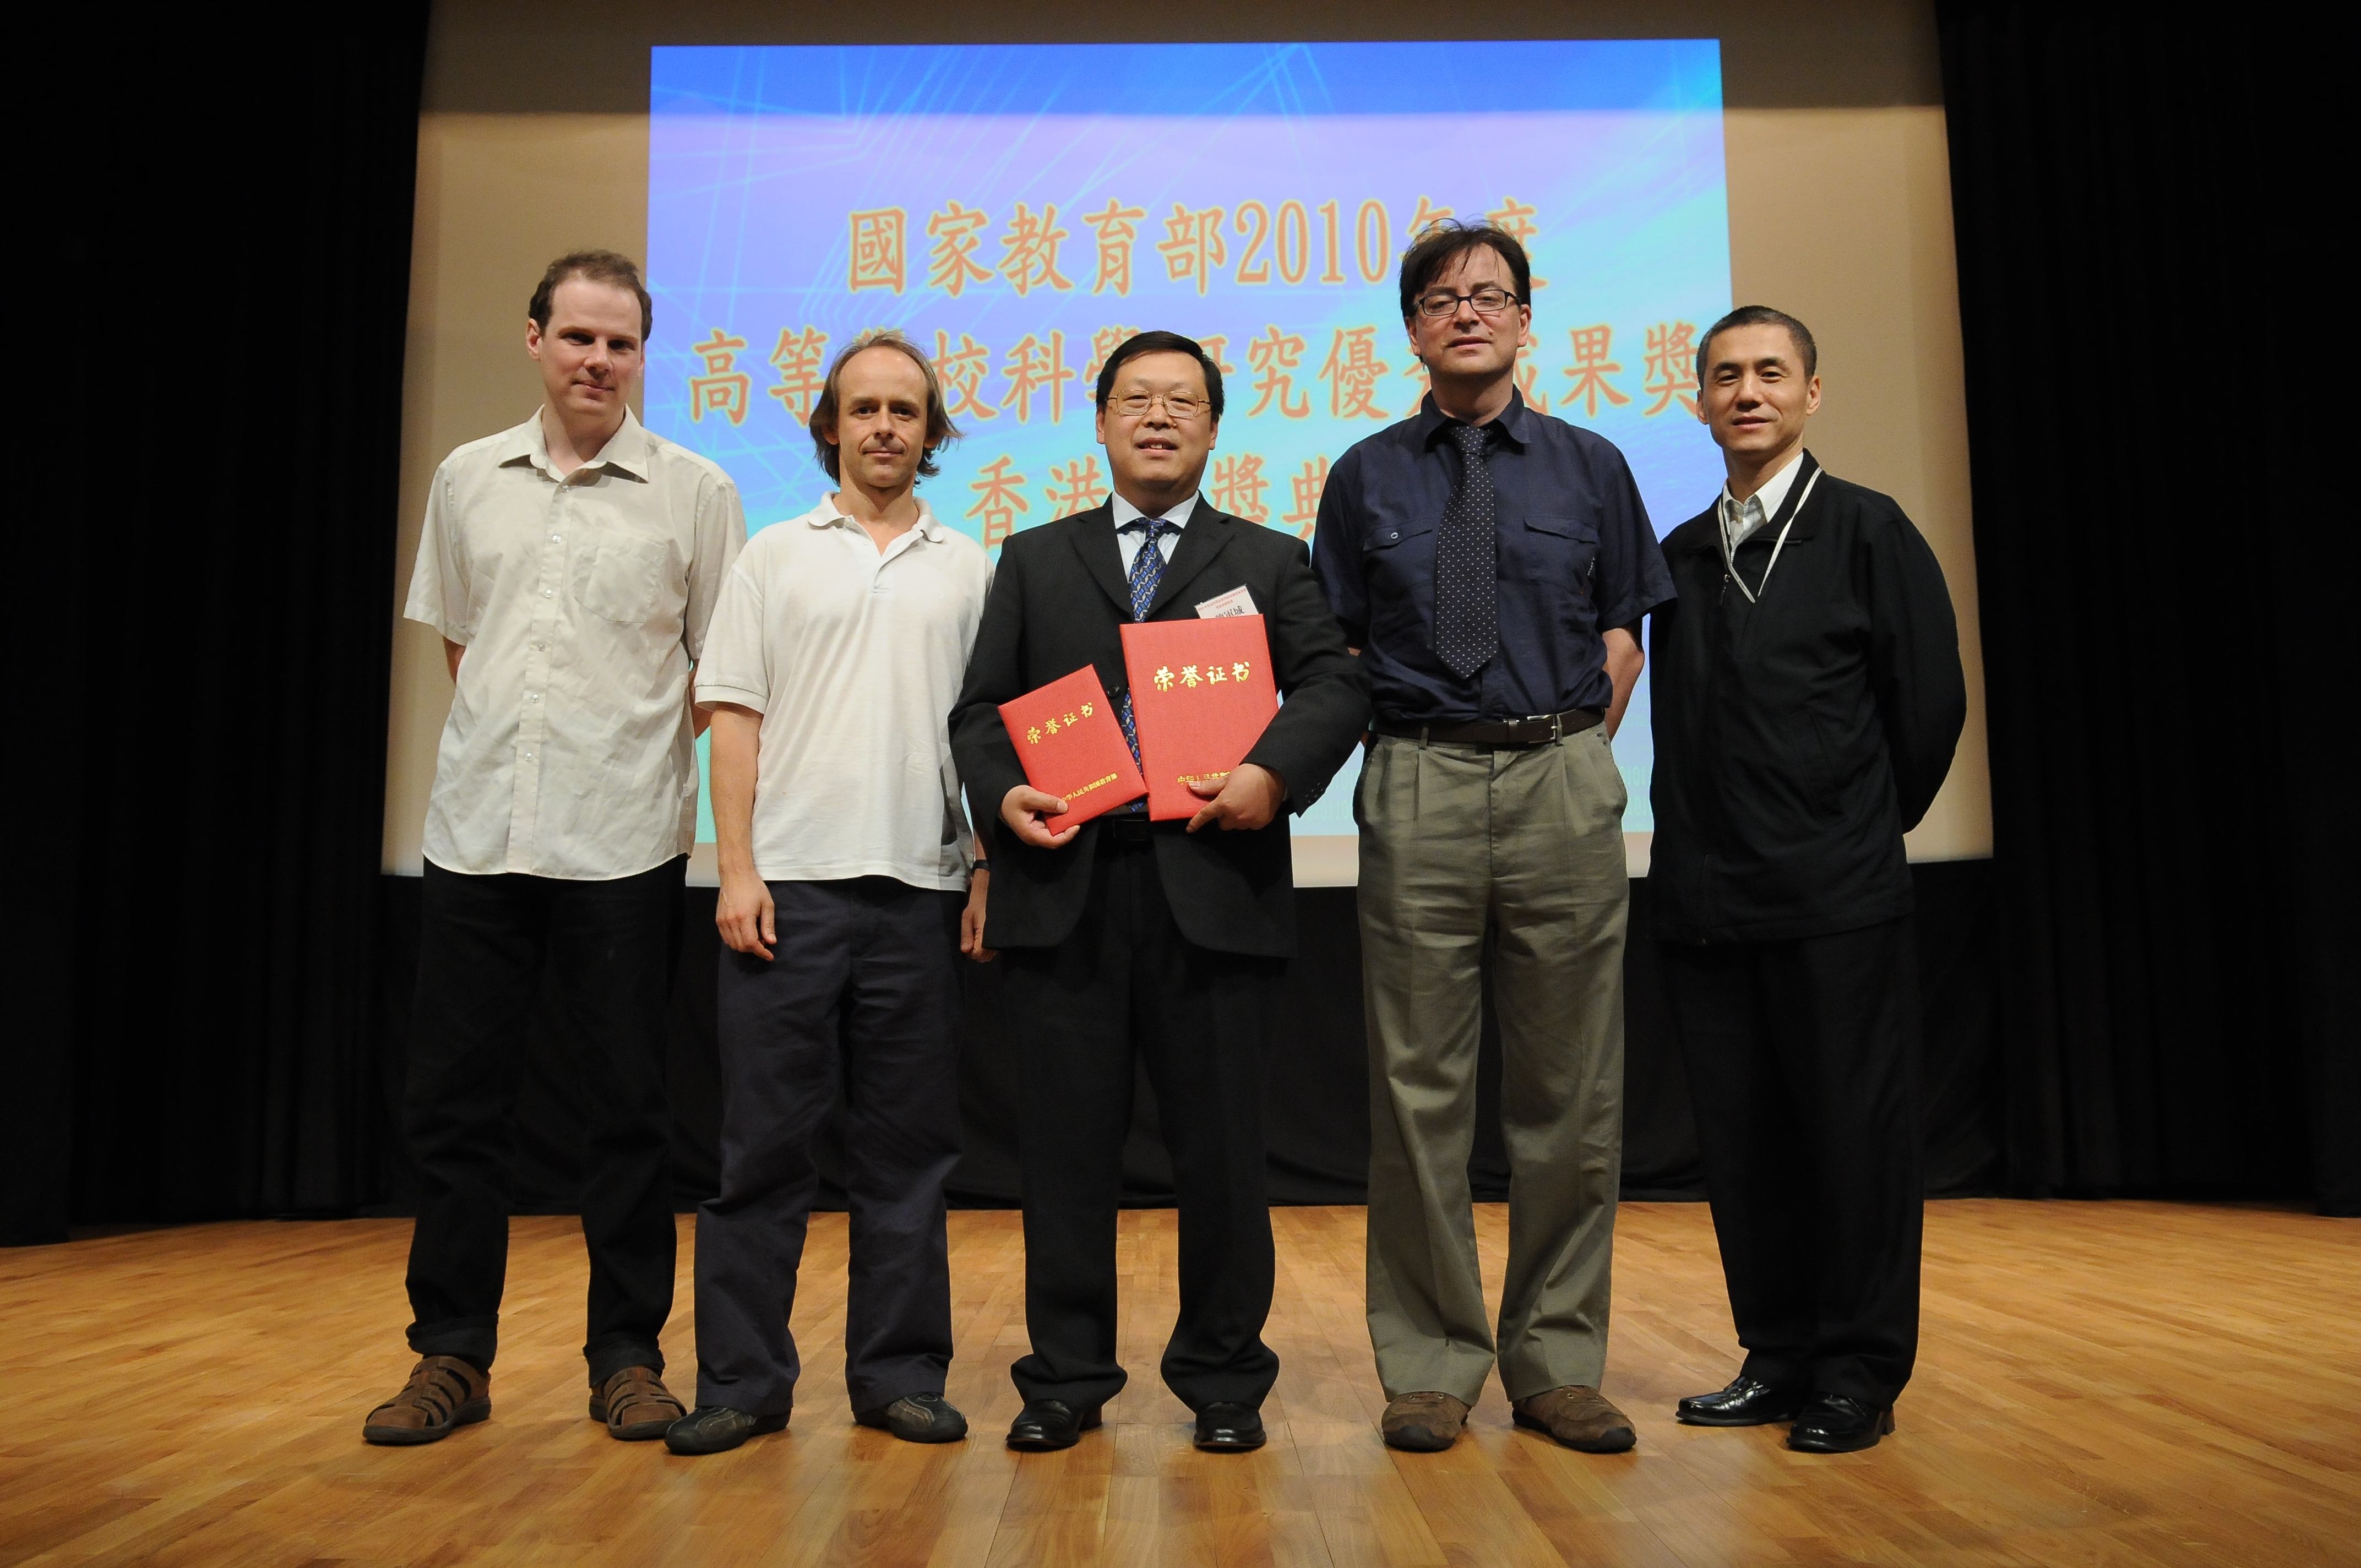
(205, 597)
(1316, 1095)
(2139, 220)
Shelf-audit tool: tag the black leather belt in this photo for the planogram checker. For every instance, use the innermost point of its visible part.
(1538, 730)
(1124, 828)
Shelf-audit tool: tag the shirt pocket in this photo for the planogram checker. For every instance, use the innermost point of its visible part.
(1561, 555)
(1564, 548)
(618, 579)
(1398, 564)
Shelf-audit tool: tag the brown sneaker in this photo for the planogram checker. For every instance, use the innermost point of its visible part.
(635, 1405)
(1577, 1417)
(443, 1392)
(1424, 1423)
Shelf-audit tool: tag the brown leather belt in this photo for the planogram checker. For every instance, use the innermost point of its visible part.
(1539, 730)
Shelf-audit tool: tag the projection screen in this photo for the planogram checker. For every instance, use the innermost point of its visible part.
(1019, 209)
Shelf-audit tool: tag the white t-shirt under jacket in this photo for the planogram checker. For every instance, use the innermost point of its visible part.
(581, 599)
(853, 657)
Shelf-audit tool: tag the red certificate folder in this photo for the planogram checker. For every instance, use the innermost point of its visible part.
(1071, 744)
(1201, 693)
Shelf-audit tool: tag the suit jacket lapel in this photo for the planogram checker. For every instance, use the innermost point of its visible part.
(1093, 535)
(1207, 534)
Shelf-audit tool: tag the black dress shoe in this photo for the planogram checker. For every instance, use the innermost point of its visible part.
(718, 1428)
(1747, 1402)
(1833, 1424)
(1045, 1424)
(918, 1418)
(1224, 1428)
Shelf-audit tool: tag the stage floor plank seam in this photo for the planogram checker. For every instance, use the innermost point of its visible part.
(2130, 1382)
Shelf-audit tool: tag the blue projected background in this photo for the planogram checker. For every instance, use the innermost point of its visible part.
(1017, 210)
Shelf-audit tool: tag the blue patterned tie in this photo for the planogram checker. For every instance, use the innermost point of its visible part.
(1147, 573)
(1466, 615)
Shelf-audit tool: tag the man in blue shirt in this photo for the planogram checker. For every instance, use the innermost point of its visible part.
(1492, 565)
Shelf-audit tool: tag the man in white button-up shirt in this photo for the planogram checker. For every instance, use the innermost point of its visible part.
(836, 653)
(571, 565)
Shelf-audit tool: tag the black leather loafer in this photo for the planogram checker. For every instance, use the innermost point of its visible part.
(718, 1428)
(1224, 1428)
(918, 1418)
(1747, 1402)
(1046, 1424)
(1832, 1423)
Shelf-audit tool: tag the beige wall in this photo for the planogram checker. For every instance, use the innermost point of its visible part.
(498, 196)
(1840, 212)
(1842, 218)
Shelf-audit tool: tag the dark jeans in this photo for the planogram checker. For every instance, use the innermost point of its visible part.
(610, 948)
(863, 990)
(1126, 979)
(1803, 1065)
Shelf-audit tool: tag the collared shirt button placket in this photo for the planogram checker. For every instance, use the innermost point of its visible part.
(884, 557)
(524, 802)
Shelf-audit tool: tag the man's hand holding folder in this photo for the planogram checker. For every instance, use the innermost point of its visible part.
(1077, 765)
(1026, 809)
(1203, 693)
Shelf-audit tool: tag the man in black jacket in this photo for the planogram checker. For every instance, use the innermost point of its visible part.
(1167, 938)
(1808, 698)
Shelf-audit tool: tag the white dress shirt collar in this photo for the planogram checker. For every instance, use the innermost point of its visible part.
(1741, 519)
(626, 451)
(1127, 544)
(1125, 512)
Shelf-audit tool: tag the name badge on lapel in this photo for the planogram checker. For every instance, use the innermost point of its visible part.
(1237, 601)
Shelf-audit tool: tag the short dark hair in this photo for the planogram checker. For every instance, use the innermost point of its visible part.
(1161, 343)
(1762, 315)
(1444, 241)
(939, 429)
(609, 266)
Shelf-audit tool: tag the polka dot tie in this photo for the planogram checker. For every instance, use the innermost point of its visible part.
(1466, 612)
(1147, 577)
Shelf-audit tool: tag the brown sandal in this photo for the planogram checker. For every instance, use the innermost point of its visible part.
(443, 1392)
(635, 1405)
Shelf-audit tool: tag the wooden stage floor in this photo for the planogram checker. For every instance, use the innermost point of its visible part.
(2100, 1383)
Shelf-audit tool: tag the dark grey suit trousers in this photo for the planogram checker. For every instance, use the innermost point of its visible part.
(863, 993)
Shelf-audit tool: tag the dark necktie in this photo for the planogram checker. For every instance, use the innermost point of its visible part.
(1466, 612)
(1147, 573)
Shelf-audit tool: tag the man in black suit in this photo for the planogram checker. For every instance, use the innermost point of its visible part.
(1808, 696)
(1166, 937)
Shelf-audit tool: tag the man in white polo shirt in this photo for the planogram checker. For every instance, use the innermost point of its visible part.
(570, 565)
(835, 656)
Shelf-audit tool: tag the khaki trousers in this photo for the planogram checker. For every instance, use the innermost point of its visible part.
(1471, 859)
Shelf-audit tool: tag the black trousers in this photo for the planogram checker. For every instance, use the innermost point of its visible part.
(1126, 979)
(1803, 1066)
(610, 948)
(863, 990)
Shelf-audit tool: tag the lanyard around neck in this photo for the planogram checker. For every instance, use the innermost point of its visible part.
(1729, 557)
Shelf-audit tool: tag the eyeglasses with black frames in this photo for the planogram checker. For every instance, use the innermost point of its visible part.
(1437, 304)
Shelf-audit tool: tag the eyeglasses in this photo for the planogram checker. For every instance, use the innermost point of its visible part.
(1487, 300)
(1179, 407)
